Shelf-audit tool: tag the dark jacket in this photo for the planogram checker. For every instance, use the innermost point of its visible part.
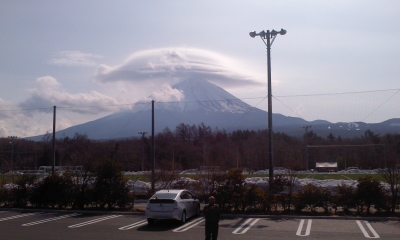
(211, 213)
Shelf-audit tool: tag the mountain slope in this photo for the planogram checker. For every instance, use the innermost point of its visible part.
(207, 103)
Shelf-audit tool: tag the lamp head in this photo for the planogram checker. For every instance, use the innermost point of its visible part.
(262, 34)
(274, 33)
(252, 34)
(283, 31)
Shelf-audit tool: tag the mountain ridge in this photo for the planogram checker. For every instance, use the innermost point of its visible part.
(204, 102)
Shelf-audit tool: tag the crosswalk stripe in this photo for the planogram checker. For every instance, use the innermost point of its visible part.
(94, 221)
(137, 224)
(18, 216)
(50, 219)
(370, 228)
(308, 230)
(189, 225)
(244, 224)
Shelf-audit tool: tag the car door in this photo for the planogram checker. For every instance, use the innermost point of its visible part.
(184, 202)
(191, 204)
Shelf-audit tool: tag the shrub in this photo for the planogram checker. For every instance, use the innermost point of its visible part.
(52, 191)
(312, 197)
(19, 196)
(369, 191)
(110, 185)
(345, 197)
(230, 193)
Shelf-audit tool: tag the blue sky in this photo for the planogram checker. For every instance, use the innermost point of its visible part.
(81, 53)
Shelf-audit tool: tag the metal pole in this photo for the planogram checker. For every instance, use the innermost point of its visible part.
(54, 141)
(12, 161)
(267, 35)
(306, 128)
(143, 145)
(270, 144)
(152, 147)
(12, 156)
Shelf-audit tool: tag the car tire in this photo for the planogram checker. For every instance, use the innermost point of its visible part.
(150, 221)
(183, 219)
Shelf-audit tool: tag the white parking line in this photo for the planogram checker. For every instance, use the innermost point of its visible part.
(244, 224)
(18, 216)
(189, 225)
(94, 221)
(137, 224)
(50, 219)
(308, 230)
(365, 231)
(3, 211)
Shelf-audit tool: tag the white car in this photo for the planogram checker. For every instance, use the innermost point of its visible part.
(172, 204)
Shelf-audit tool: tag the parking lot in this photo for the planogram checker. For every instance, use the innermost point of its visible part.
(40, 225)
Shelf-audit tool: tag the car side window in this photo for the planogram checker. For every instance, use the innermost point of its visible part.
(189, 196)
(184, 195)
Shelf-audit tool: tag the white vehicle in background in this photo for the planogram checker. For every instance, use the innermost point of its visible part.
(172, 204)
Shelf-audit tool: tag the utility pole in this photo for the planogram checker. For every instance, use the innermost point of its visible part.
(306, 128)
(153, 154)
(54, 142)
(12, 155)
(143, 145)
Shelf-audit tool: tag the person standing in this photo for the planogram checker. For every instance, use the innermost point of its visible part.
(212, 215)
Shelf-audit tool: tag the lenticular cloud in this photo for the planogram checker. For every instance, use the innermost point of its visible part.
(176, 64)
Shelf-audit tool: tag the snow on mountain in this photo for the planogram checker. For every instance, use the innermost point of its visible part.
(200, 101)
(201, 95)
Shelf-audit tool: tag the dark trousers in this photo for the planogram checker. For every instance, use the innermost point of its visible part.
(211, 231)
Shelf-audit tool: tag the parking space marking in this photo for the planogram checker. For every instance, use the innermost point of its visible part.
(18, 216)
(4, 211)
(366, 234)
(137, 224)
(189, 225)
(50, 219)
(93, 221)
(244, 224)
(308, 230)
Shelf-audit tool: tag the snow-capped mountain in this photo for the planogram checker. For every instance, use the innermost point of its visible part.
(200, 95)
(204, 102)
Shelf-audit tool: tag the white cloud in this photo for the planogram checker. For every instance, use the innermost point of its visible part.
(176, 64)
(47, 94)
(167, 94)
(47, 82)
(75, 59)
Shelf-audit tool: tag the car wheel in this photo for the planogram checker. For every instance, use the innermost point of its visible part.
(150, 221)
(183, 220)
(198, 211)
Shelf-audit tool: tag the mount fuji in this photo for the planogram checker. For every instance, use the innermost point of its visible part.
(204, 102)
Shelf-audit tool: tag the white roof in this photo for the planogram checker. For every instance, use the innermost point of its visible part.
(326, 164)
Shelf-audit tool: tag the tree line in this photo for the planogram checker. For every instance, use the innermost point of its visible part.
(190, 147)
(107, 189)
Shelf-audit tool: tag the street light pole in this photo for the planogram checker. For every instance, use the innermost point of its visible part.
(270, 36)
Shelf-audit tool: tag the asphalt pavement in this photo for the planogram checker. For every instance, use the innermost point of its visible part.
(43, 225)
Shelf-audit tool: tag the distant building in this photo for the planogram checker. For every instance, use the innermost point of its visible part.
(326, 166)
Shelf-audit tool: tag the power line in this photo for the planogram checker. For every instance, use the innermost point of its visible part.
(380, 105)
(197, 101)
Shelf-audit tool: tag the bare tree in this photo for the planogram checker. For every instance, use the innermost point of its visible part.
(392, 177)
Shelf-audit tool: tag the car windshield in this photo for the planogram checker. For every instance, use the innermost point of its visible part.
(164, 196)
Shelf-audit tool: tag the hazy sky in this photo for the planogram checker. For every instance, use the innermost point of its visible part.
(332, 64)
